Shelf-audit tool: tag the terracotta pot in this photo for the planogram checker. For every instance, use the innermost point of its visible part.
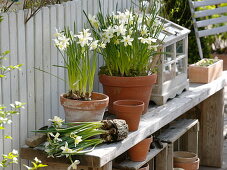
(130, 111)
(134, 88)
(145, 167)
(186, 160)
(85, 111)
(182, 156)
(187, 165)
(138, 153)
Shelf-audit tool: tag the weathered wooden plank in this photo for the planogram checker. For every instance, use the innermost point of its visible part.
(212, 31)
(177, 129)
(211, 130)
(207, 3)
(204, 23)
(39, 83)
(210, 12)
(128, 164)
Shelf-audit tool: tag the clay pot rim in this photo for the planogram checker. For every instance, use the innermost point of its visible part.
(196, 161)
(105, 98)
(184, 157)
(137, 81)
(134, 103)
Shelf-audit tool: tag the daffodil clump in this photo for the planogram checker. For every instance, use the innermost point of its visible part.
(130, 39)
(68, 139)
(79, 52)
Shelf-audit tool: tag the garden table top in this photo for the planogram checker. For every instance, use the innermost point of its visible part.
(153, 120)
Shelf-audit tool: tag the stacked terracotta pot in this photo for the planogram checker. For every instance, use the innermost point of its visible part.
(186, 160)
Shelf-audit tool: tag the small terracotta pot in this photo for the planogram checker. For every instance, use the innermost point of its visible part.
(138, 153)
(130, 111)
(133, 88)
(186, 160)
(145, 167)
(187, 165)
(182, 156)
(85, 111)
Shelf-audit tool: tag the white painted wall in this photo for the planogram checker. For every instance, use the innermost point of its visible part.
(32, 45)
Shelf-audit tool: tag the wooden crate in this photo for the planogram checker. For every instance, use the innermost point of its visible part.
(201, 74)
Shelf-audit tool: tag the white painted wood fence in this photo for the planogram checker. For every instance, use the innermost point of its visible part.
(32, 45)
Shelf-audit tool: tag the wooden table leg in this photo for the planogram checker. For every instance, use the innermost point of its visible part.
(211, 130)
(108, 166)
(161, 160)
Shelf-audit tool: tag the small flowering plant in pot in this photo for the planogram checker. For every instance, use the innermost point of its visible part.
(130, 54)
(79, 52)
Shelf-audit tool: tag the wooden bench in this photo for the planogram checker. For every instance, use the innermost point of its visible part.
(207, 98)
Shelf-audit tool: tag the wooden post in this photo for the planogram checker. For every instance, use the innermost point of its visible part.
(211, 130)
(170, 157)
(161, 160)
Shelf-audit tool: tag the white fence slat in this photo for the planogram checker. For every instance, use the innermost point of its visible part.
(197, 4)
(30, 54)
(46, 64)
(210, 12)
(15, 128)
(72, 15)
(61, 84)
(22, 79)
(124, 4)
(84, 8)
(90, 7)
(67, 14)
(79, 13)
(213, 21)
(39, 74)
(6, 81)
(105, 7)
(95, 6)
(54, 61)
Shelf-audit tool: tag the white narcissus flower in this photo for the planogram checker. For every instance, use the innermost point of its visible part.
(84, 37)
(127, 40)
(56, 137)
(74, 165)
(120, 30)
(94, 45)
(151, 40)
(102, 45)
(143, 40)
(15, 152)
(37, 160)
(78, 139)
(93, 21)
(57, 121)
(65, 150)
(28, 167)
(145, 4)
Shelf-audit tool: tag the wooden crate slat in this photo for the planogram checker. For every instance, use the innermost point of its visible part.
(177, 129)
